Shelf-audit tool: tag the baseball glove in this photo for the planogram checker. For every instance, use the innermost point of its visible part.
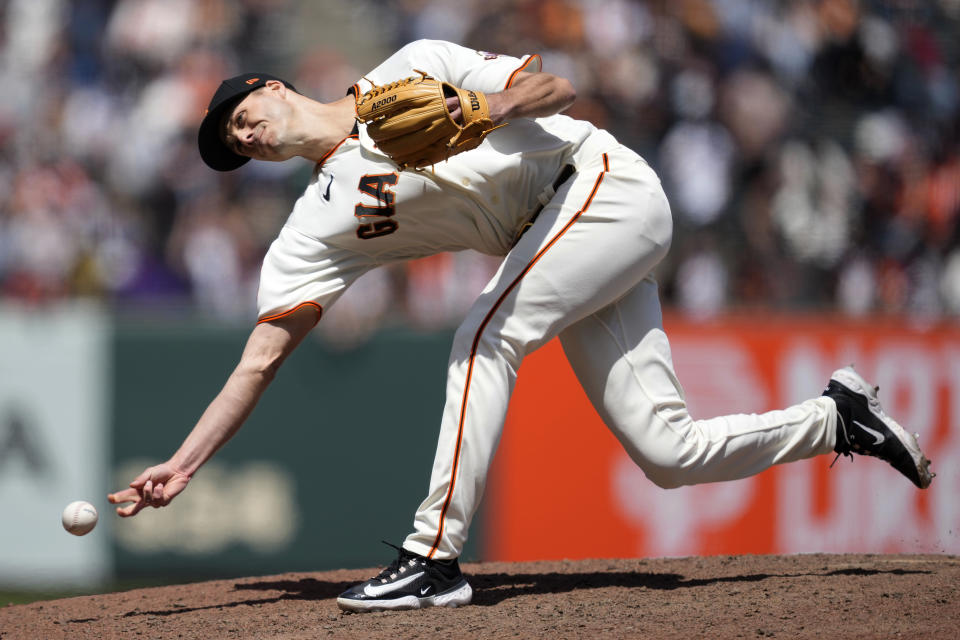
(409, 120)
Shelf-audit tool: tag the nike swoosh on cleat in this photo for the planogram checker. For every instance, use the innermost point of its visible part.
(424, 590)
(876, 434)
(326, 194)
(375, 591)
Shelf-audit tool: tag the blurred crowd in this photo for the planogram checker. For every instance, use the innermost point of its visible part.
(810, 148)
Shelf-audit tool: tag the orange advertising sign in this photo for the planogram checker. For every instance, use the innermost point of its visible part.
(562, 487)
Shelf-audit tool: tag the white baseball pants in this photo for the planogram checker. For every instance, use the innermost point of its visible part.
(582, 272)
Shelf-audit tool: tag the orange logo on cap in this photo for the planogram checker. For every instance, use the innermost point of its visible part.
(252, 80)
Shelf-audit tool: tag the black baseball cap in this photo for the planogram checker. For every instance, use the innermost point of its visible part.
(214, 152)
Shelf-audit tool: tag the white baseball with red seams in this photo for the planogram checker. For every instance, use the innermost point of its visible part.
(79, 518)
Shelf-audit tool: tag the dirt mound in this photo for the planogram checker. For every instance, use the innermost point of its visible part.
(803, 596)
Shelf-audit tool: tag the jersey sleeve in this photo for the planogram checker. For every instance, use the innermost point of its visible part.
(299, 270)
(449, 62)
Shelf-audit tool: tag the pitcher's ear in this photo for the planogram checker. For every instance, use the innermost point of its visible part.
(276, 85)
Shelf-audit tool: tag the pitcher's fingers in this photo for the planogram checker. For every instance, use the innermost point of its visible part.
(131, 510)
(141, 479)
(157, 495)
(123, 496)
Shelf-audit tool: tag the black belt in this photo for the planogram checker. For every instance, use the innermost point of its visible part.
(565, 173)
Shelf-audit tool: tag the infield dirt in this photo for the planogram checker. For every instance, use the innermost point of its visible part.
(802, 596)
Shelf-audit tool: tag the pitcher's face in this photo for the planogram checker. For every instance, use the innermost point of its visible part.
(258, 126)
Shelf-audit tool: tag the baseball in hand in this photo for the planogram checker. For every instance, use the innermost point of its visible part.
(79, 518)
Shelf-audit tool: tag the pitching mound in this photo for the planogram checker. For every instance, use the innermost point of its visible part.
(805, 596)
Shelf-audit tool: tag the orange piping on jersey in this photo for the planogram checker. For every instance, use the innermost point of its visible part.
(277, 316)
(476, 343)
(337, 146)
(526, 64)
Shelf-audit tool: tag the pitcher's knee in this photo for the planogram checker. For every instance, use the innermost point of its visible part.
(663, 476)
(663, 471)
(670, 464)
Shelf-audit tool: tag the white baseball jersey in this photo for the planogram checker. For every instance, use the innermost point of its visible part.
(580, 272)
(359, 211)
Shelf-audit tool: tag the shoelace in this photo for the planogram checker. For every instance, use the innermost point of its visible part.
(398, 566)
(843, 428)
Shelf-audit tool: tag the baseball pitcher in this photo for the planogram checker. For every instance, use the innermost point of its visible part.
(443, 148)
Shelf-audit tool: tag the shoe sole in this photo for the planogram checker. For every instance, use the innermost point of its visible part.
(457, 597)
(855, 383)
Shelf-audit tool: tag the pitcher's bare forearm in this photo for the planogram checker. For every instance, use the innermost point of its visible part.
(268, 346)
